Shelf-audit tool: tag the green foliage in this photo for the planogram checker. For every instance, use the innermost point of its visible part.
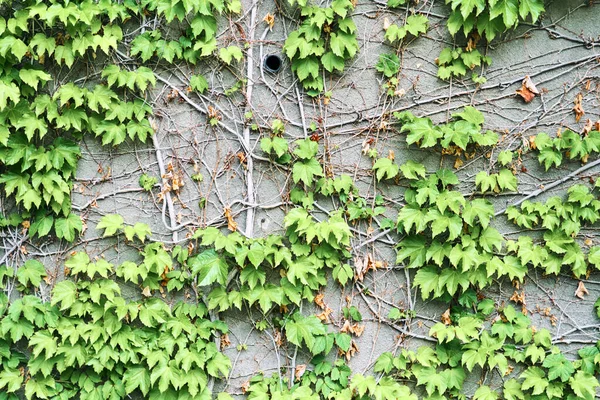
(326, 39)
(459, 135)
(415, 25)
(481, 18)
(568, 144)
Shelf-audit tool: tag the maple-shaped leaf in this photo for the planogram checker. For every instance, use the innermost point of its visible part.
(584, 385)
(531, 7)
(144, 46)
(332, 62)
(66, 228)
(385, 168)
(11, 380)
(210, 268)
(8, 91)
(111, 223)
(422, 130)
(306, 170)
(508, 10)
(416, 24)
(31, 273)
(33, 77)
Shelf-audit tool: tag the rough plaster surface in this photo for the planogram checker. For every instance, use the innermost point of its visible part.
(560, 56)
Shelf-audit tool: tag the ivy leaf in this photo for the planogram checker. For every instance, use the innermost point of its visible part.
(507, 180)
(558, 367)
(490, 238)
(549, 157)
(65, 228)
(198, 83)
(388, 64)
(8, 91)
(512, 390)
(302, 329)
(385, 168)
(416, 24)
(137, 377)
(210, 268)
(427, 279)
(531, 7)
(343, 44)
(65, 294)
(412, 170)
(584, 385)
(332, 62)
(508, 9)
(111, 223)
(141, 230)
(422, 129)
(227, 54)
(43, 341)
(534, 378)
(32, 77)
(11, 380)
(31, 273)
(306, 170)
(484, 392)
(478, 208)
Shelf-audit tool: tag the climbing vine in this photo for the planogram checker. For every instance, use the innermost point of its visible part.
(154, 325)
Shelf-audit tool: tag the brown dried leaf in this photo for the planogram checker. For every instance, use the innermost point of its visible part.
(299, 371)
(269, 19)
(146, 292)
(581, 290)
(324, 316)
(231, 224)
(518, 298)
(446, 317)
(245, 386)
(225, 342)
(527, 90)
(458, 163)
(319, 300)
(578, 107)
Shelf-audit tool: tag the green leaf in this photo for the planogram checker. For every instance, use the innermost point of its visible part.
(558, 367)
(584, 385)
(8, 91)
(343, 44)
(508, 9)
(227, 54)
(11, 380)
(484, 392)
(31, 273)
(210, 268)
(141, 230)
(199, 83)
(470, 114)
(302, 329)
(388, 64)
(65, 294)
(137, 377)
(531, 7)
(414, 170)
(422, 130)
(332, 62)
(111, 223)
(385, 168)
(507, 180)
(305, 171)
(32, 77)
(416, 24)
(490, 238)
(534, 378)
(478, 208)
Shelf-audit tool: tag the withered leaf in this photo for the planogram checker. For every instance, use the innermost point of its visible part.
(581, 290)
(578, 107)
(527, 90)
(231, 224)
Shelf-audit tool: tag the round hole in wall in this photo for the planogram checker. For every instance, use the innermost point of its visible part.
(272, 63)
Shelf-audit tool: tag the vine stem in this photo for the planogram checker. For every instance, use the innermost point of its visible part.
(246, 132)
(554, 184)
(167, 199)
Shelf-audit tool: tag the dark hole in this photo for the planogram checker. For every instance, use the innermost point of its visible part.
(272, 63)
